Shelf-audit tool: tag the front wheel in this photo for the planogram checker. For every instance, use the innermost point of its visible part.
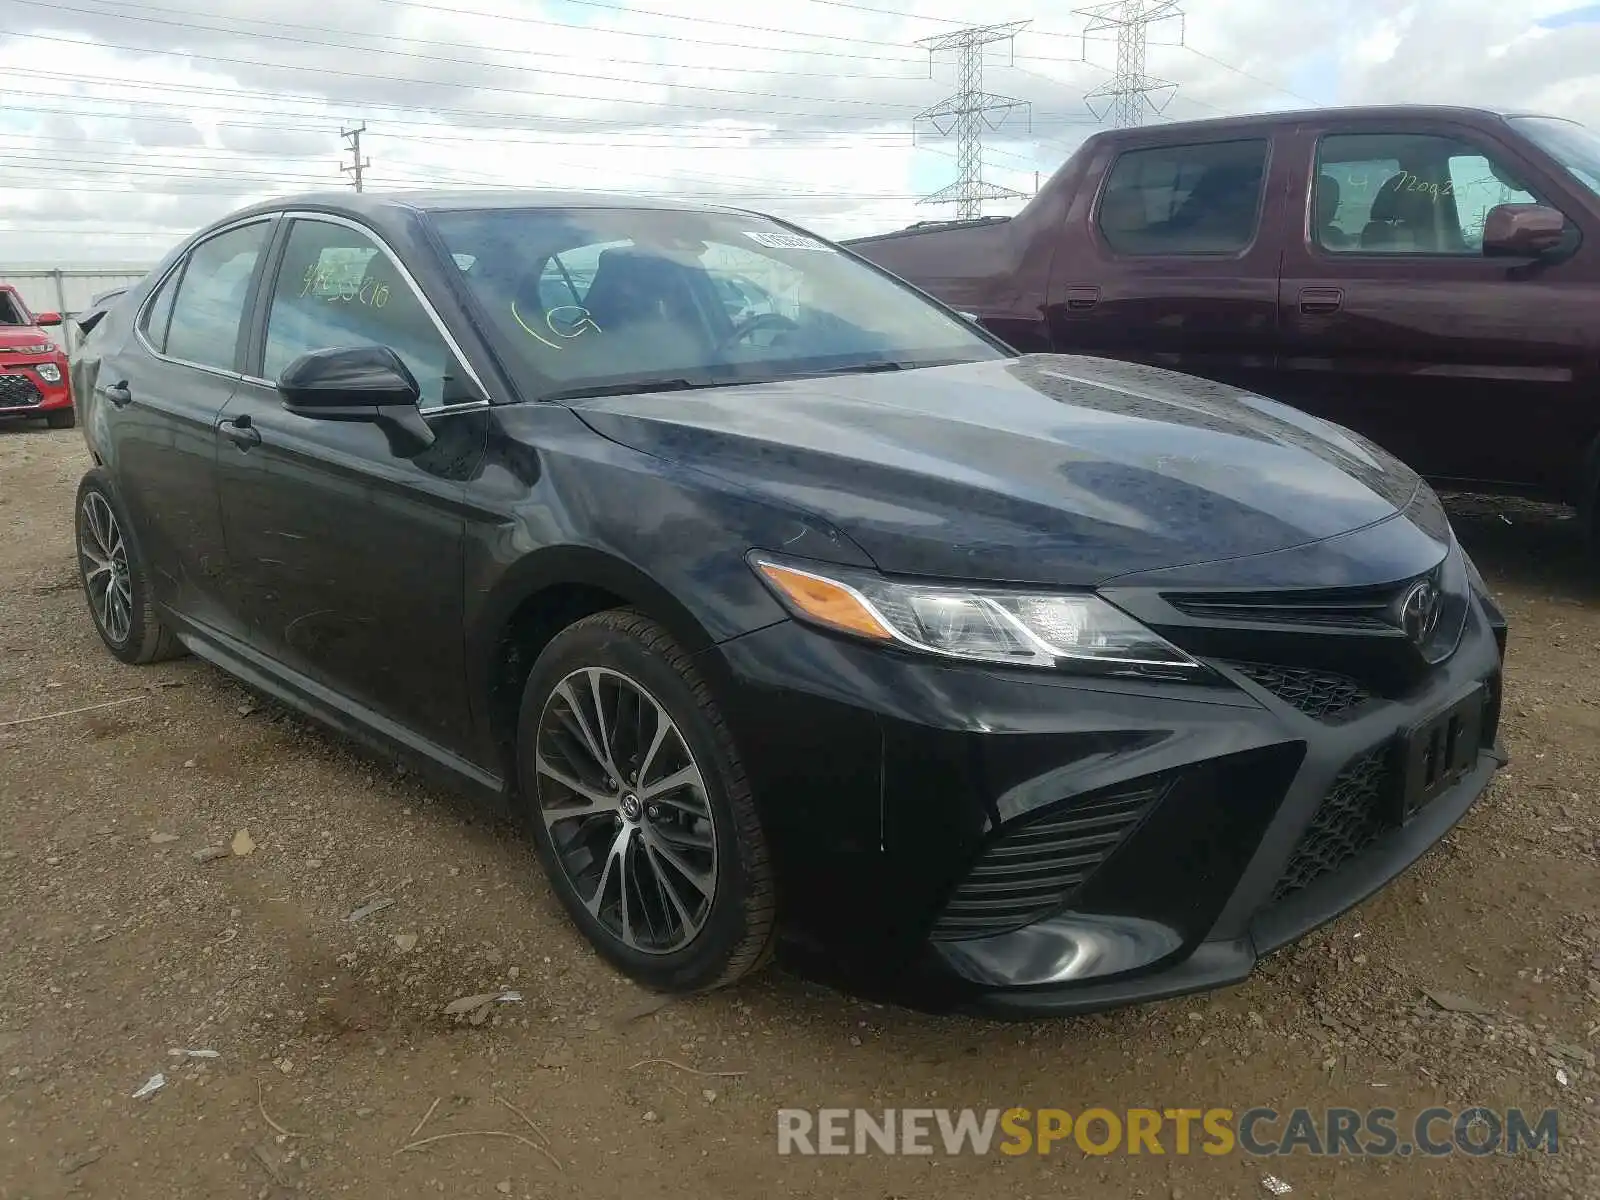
(640, 809)
(61, 418)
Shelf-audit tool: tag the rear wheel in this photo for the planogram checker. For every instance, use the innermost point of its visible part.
(640, 809)
(116, 581)
(61, 418)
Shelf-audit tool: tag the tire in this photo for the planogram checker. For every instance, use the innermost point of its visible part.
(674, 937)
(129, 626)
(61, 418)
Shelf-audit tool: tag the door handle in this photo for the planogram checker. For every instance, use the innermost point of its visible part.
(118, 394)
(1318, 301)
(1082, 296)
(241, 431)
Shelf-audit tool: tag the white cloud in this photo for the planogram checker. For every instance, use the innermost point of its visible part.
(125, 126)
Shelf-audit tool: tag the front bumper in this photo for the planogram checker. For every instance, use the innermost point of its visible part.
(887, 783)
(25, 392)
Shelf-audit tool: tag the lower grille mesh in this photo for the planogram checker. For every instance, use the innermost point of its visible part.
(1323, 695)
(18, 391)
(1350, 818)
(1030, 871)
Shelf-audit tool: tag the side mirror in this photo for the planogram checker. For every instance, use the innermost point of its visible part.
(359, 383)
(47, 318)
(1522, 231)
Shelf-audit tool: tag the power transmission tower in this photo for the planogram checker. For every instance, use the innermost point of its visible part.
(968, 113)
(1129, 93)
(357, 165)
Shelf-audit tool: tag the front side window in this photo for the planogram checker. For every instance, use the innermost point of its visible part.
(10, 311)
(337, 288)
(1404, 193)
(1199, 199)
(210, 299)
(611, 297)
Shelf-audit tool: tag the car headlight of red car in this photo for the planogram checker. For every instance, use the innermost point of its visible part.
(38, 348)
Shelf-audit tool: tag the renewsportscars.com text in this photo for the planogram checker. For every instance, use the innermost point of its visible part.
(1262, 1132)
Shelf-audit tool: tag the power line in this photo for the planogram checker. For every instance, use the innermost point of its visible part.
(1129, 91)
(967, 114)
(190, 16)
(541, 94)
(1277, 87)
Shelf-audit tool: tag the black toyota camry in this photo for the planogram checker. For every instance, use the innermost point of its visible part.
(786, 606)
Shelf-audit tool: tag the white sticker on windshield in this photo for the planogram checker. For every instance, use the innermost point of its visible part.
(787, 241)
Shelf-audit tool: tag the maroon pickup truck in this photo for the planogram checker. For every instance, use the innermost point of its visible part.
(1429, 277)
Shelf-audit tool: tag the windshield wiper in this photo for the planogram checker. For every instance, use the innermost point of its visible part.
(868, 368)
(863, 368)
(629, 387)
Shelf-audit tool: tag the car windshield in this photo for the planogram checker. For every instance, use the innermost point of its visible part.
(1574, 146)
(11, 311)
(615, 299)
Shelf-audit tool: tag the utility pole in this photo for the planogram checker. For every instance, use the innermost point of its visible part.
(1129, 93)
(357, 165)
(967, 114)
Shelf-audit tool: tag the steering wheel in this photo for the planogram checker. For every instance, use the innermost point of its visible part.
(755, 324)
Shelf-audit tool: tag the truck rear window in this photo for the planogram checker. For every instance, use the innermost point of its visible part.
(1203, 198)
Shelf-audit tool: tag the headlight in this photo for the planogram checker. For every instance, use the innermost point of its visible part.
(49, 372)
(996, 625)
(39, 348)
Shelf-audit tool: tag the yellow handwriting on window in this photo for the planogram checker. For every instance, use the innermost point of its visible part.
(339, 288)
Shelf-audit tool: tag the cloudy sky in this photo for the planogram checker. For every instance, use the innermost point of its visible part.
(125, 126)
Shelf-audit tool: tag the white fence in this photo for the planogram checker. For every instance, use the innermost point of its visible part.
(67, 290)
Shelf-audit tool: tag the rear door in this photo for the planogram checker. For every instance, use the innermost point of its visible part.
(350, 554)
(1395, 324)
(163, 389)
(1173, 259)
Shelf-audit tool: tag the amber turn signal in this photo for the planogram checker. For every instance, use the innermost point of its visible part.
(826, 602)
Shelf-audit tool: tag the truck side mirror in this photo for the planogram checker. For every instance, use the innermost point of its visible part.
(1522, 231)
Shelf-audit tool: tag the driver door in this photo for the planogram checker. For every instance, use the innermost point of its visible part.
(349, 555)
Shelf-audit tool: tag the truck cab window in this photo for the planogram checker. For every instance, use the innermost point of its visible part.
(1402, 193)
(1192, 199)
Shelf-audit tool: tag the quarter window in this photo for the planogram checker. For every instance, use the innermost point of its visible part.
(158, 315)
(1195, 199)
(1407, 193)
(209, 304)
(337, 288)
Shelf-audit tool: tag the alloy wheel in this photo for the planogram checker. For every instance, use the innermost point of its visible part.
(103, 554)
(627, 811)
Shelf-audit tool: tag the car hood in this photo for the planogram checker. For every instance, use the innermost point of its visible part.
(1042, 469)
(14, 337)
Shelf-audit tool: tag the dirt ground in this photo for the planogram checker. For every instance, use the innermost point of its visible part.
(119, 950)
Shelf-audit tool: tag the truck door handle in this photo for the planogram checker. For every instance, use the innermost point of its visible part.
(118, 394)
(1082, 296)
(241, 431)
(1318, 301)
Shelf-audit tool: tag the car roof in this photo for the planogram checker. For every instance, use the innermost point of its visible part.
(1334, 112)
(380, 204)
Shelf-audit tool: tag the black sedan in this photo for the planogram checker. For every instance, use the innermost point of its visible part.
(1028, 683)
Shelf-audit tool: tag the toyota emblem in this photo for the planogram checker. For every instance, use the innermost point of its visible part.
(1419, 611)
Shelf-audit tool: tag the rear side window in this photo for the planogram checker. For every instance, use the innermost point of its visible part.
(1193, 199)
(209, 305)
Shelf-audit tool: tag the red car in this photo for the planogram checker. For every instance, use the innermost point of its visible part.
(33, 369)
